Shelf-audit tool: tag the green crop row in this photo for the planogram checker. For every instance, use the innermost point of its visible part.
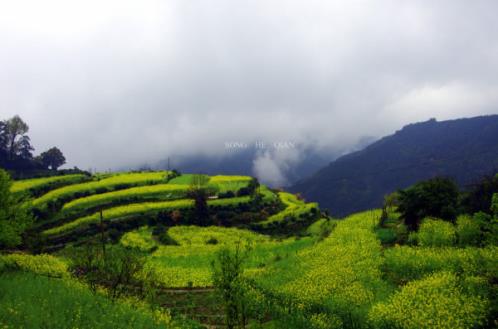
(45, 183)
(156, 192)
(295, 209)
(140, 209)
(103, 185)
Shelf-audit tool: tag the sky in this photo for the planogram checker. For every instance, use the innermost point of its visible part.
(123, 83)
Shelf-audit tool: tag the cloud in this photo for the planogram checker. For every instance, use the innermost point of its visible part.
(121, 83)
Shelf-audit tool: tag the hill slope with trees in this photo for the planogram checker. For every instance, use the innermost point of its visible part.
(463, 149)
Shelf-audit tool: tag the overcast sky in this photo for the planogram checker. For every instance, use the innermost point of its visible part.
(119, 83)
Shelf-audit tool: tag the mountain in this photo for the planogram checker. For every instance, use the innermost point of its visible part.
(463, 149)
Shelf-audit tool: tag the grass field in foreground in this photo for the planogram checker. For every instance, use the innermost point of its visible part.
(189, 263)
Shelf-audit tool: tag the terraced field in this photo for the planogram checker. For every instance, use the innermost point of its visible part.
(73, 204)
(300, 270)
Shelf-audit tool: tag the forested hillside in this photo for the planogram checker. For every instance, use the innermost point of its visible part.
(463, 149)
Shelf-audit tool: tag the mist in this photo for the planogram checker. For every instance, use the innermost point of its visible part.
(124, 83)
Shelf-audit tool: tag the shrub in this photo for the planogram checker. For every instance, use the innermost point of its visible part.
(386, 235)
(437, 301)
(212, 240)
(15, 218)
(437, 197)
(468, 231)
(436, 233)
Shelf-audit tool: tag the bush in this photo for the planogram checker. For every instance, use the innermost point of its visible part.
(386, 235)
(437, 197)
(167, 240)
(436, 233)
(15, 218)
(468, 231)
(436, 301)
(212, 240)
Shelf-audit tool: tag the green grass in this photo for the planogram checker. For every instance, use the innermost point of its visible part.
(106, 184)
(31, 301)
(35, 183)
(190, 261)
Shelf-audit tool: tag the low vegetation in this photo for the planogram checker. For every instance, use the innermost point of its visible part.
(147, 249)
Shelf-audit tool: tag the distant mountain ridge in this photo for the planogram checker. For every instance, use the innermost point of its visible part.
(463, 149)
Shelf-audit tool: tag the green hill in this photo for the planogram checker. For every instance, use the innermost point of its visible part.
(300, 269)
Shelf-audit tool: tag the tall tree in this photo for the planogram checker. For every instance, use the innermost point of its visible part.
(16, 139)
(437, 197)
(52, 158)
(199, 192)
(14, 216)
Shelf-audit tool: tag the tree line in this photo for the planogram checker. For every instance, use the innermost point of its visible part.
(16, 151)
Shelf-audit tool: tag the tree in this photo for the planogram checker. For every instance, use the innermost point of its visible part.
(437, 197)
(479, 195)
(16, 141)
(227, 272)
(52, 158)
(15, 218)
(198, 191)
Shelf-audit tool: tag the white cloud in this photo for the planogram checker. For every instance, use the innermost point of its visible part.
(117, 83)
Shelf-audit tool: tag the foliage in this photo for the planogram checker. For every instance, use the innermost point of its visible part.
(29, 185)
(403, 264)
(468, 231)
(145, 208)
(44, 264)
(198, 192)
(436, 233)
(103, 185)
(15, 138)
(479, 197)
(342, 273)
(227, 269)
(437, 301)
(52, 158)
(188, 260)
(295, 210)
(139, 239)
(15, 218)
(154, 192)
(115, 268)
(437, 197)
(29, 301)
(387, 236)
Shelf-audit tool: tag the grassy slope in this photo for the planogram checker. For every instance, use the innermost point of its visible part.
(31, 301)
(190, 260)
